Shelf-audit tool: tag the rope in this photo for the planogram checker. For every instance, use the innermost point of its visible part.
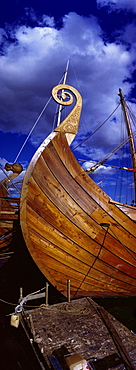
(108, 165)
(123, 244)
(75, 309)
(111, 153)
(37, 120)
(23, 300)
(11, 304)
(97, 257)
(33, 128)
(131, 114)
(19, 307)
(90, 268)
(14, 304)
(97, 128)
(13, 184)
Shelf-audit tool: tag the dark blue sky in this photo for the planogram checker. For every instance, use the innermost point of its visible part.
(36, 39)
(15, 12)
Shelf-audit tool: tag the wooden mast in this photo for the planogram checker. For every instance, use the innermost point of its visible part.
(130, 134)
(64, 82)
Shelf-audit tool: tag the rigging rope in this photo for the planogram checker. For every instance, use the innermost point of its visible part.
(13, 184)
(37, 120)
(88, 137)
(33, 128)
(108, 165)
(133, 118)
(110, 154)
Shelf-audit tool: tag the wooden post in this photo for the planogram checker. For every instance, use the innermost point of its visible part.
(46, 295)
(21, 294)
(68, 290)
(116, 339)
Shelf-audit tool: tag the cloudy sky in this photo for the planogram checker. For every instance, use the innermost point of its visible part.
(36, 40)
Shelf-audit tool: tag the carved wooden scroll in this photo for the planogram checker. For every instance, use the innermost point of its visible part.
(64, 95)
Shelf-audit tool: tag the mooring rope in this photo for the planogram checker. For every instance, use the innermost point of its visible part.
(127, 249)
(95, 259)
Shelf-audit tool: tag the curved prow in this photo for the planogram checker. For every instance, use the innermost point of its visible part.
(64, 95)
(16, 168)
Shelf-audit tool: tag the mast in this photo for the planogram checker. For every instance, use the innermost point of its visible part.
(64, 81)
(130, 134)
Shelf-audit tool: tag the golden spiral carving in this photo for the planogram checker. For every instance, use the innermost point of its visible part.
(61, 98)
(62, 95)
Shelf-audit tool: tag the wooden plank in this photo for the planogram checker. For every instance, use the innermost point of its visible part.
(62, 205)
(63, 201)
(116, 338)
(57, 254)
(131, 212)
(68, 182)
(118, 263)
(80, 255)
(60, 223)
(94, 282)
(103, 200)
(64, 152)
(114, 272)
(116, 229)
(118, 249)
(68, 272)
(7, 212)
(6, 225)
(52, 236)
(66, 262)
(10, 199)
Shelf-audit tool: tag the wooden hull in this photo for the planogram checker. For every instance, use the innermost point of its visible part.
(8, 217)
(72, 231)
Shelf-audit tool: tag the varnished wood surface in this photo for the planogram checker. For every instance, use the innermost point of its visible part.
(8, 215)
(62, 210)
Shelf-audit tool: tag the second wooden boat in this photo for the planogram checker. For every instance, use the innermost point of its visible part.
(9, 211)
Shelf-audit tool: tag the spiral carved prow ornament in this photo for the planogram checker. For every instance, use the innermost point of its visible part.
(16, 168)
(64, 95)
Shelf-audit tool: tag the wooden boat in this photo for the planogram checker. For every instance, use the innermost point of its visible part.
(9, 212)
(72, 228)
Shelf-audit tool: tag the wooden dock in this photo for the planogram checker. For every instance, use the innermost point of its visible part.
(81, 326)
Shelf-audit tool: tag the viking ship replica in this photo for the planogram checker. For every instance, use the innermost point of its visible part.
(73, 230)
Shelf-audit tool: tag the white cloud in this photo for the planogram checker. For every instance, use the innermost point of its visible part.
(129, 5)
(48, 21)
(34, 61)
